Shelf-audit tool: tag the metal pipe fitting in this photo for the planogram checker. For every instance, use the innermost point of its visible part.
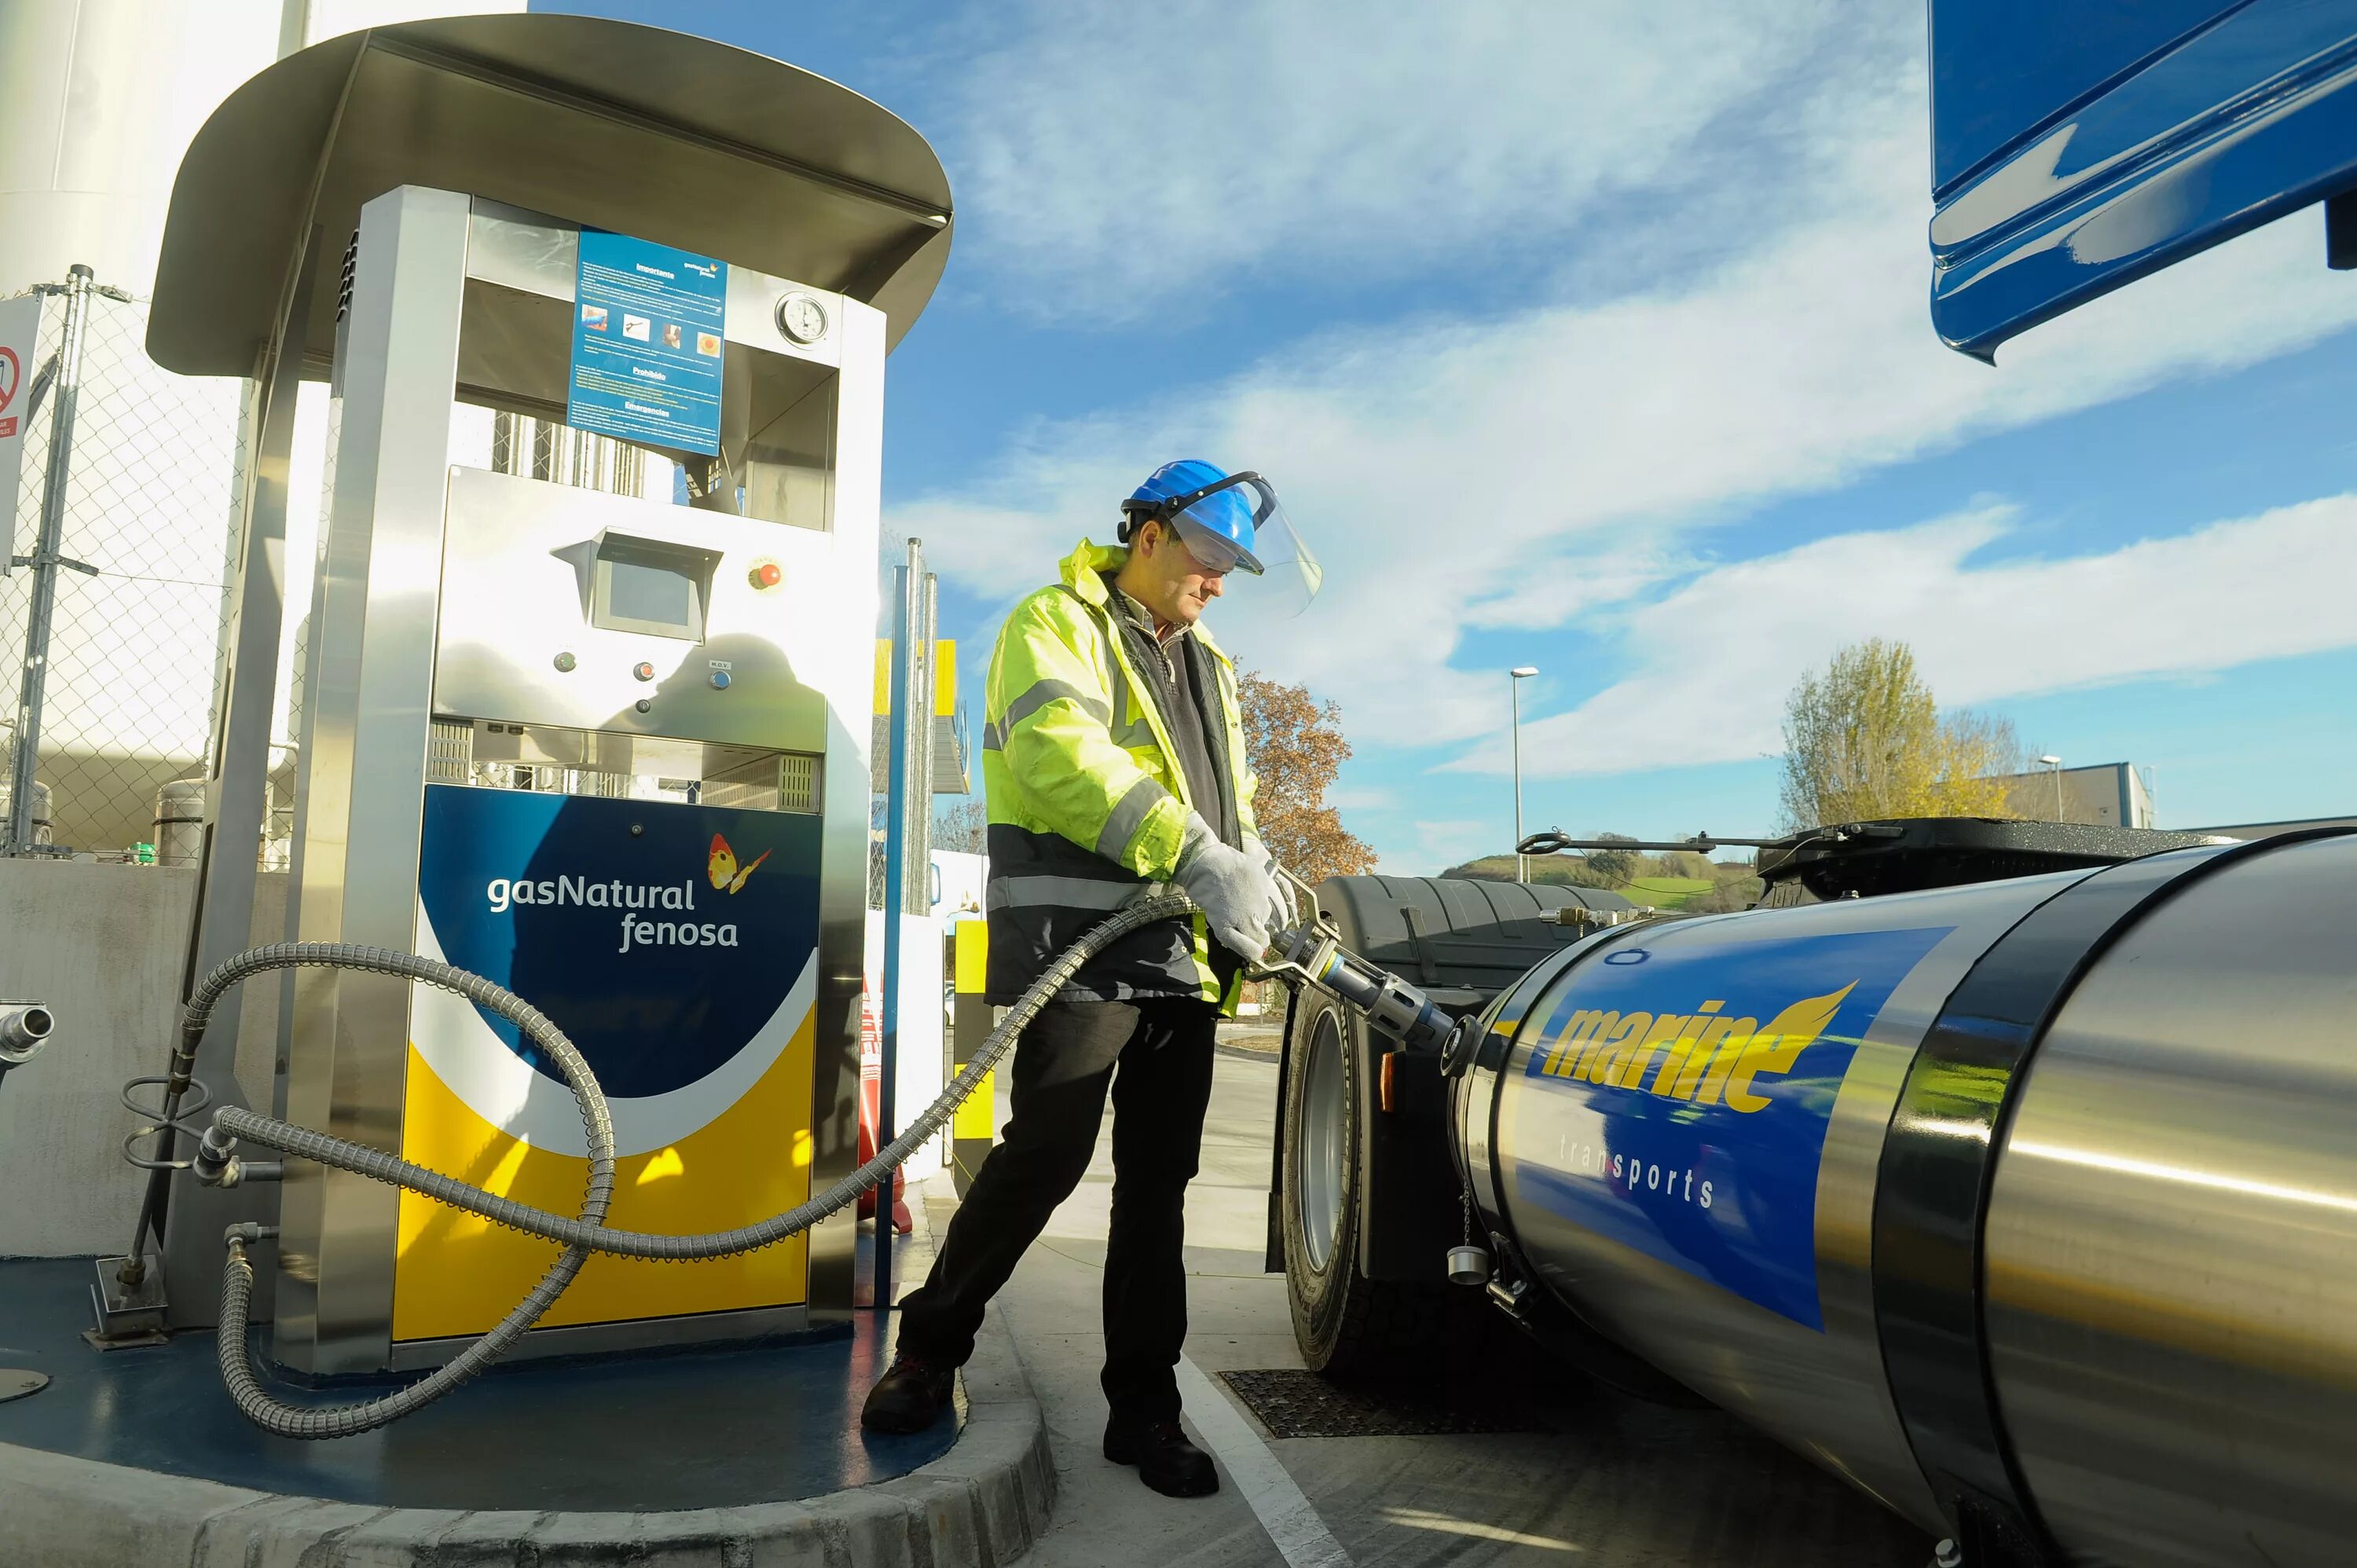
(217, 1164)
(216, 1157)
(24, 1027)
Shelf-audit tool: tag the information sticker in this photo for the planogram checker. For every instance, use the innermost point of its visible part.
(648, 330)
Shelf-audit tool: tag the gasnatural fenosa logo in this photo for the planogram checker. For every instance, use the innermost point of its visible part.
(639, 931)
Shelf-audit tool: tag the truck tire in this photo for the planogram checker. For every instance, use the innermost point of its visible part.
(1348, 1326)
(1368, 1305)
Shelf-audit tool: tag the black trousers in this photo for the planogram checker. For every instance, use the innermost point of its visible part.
(1156, 1057)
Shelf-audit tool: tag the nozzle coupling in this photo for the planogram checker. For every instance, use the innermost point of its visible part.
(1391, 1003)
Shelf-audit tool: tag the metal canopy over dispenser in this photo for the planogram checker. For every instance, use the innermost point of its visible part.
(583, 700)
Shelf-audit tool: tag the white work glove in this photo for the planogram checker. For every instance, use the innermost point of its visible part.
(1279, 912)
(1233, 892)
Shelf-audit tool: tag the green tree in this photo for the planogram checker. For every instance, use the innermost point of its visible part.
(1865, 739)
(1617, 865)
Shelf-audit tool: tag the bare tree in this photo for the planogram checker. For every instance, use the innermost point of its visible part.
(1865, 739)
(1296, 746)
(962, 828)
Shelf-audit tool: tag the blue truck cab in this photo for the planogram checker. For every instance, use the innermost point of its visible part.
(2078, 147)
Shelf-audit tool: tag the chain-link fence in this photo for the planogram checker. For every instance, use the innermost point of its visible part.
(111, 615)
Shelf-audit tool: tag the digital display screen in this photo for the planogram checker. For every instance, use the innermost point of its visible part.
(647, 587)
(661, 593)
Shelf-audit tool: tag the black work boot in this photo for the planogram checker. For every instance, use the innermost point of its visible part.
(1166, 1461)
(909, 1397)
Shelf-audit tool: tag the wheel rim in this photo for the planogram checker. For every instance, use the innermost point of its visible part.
(1317, 1178)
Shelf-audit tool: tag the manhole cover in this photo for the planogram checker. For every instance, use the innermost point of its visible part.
(1293, 1404)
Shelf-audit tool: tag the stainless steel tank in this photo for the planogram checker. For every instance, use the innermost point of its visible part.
(2028, 1208)
(180, 822)
(43, 815)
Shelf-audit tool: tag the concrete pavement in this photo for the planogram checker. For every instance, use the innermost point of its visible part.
(632, 1459)
(1613, 1482)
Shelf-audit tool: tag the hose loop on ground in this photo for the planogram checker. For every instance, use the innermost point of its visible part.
(237, 1278)
(586, 1233)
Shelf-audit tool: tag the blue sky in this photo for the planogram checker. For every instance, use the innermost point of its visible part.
(1577, 338)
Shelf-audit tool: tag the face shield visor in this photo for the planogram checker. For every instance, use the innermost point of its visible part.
(1239, 528)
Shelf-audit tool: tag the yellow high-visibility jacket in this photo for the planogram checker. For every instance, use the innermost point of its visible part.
(1087, 800)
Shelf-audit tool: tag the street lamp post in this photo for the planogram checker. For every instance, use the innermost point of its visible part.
(1522, 672)
(2053, 765)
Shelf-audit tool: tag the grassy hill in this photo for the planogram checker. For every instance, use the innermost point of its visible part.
(1729, 886)
(1666, 892)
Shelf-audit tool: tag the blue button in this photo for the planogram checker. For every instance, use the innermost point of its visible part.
(720, 679)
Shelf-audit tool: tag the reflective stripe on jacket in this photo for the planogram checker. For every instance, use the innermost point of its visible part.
(1086, 798)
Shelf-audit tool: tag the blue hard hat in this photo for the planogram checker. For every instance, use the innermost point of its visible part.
(1229, 522)
(1214, 511)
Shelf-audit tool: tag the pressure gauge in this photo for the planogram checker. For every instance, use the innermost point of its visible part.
(801, 318)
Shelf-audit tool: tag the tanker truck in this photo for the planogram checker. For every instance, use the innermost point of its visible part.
(2004, 1171)
(2008, 1173)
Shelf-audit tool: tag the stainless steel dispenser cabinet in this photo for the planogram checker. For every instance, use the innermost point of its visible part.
(583, 706)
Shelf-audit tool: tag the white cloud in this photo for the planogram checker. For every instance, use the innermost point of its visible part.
(1362, 797)
(1574, 583)
(1448, 842)
(1114, 157)
(1457, 473)
(1517, 471)
(1720, 653)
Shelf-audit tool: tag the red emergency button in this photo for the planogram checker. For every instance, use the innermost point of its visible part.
(644, 671)
(767, 576)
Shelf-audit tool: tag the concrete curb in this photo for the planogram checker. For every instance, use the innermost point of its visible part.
(983, 1502)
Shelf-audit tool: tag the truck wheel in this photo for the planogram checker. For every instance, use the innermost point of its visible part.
(1347, 1325)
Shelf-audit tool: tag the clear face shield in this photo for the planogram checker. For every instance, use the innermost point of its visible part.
(1215, 525)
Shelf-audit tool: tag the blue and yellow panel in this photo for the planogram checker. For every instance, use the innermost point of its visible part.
(676, 947)
(1680, 1093)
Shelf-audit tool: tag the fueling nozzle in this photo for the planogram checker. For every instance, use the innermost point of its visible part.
(1308, 949)
(1391, 1003)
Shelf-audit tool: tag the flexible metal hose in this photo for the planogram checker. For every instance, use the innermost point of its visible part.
(582, 1235)
(237, 1277)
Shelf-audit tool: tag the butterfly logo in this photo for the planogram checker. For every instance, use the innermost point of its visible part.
(726, 873)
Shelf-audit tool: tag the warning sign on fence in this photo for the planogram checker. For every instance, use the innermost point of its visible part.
(20, 342)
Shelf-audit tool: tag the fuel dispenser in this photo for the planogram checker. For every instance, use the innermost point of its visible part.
(613, 797)
(603, 312)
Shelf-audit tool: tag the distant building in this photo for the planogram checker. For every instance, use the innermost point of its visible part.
(2111, 794)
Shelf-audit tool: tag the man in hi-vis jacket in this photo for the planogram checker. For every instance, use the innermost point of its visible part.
(1113, 756)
